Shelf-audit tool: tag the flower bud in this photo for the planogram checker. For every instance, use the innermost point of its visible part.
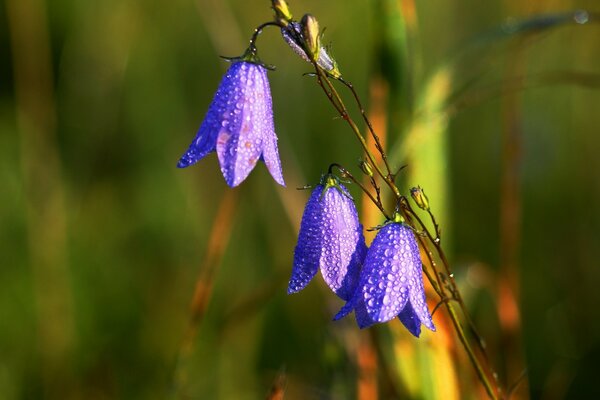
(282, 12)
(310, 32)
(366, 168)
(293, 35)
(420, 198)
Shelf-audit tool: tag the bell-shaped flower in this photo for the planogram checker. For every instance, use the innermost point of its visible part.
(331, 238)
(391, 282)
(239, 126)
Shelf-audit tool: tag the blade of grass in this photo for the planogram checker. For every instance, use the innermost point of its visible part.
(218, 242)
(44, 188)
(508, 286)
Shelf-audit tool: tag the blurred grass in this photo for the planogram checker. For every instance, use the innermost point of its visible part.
(131, 82)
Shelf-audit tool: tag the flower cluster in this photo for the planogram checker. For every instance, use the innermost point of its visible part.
(379, 283)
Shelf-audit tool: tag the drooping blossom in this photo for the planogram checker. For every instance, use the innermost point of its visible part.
(239, 126)
(391, 282)
(331, 239)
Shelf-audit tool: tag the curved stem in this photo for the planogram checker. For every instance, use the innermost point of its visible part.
(369, 125)
(454, 288)
(338, 103)
(258, 30)
(335, 99)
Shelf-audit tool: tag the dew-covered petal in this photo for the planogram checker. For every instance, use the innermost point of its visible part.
(343, 248)
(308, 249)
(382, 284)
(356, 304)
(416, 289)
(331, 238)
(239, 126)
(239, 145)
(270, 151)
(391, 282)
(219, 116)
(410, 320)
(346, 309)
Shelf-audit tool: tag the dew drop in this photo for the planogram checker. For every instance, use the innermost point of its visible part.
(386, 300)
(581, 17)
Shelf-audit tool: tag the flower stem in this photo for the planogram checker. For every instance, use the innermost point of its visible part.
(456, 296)
(369, 125)
(482, 367)
(257, 31)
(338, 103)
(439, 288)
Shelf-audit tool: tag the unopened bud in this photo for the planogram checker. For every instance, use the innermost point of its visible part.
(282, 12)
(293, 34)
(366, 168)
(310, 32)
(420, 198)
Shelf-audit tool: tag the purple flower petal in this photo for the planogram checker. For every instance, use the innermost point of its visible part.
(239, 126)
(216, 118)
(331, 239)
(391, 282)
(417, 292)
(308, 249)
(410, 320)
(383, 287)
(344, 246)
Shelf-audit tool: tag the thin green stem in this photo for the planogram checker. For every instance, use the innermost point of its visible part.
(439, 288)
(474, 360)
(338, 103)
(435, 280)
(258, 30)
(454, 287)
(378, 144)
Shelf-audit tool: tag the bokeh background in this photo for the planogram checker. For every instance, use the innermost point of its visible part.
(122, 277)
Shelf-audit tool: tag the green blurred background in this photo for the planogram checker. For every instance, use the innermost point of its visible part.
(102, 239)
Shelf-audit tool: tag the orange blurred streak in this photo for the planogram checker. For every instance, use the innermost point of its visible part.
(277, 391)
(378, 97)
(218, 241)
(367, 366)
(371, 216)
(409, 12)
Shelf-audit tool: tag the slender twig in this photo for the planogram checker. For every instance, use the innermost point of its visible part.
(338, 103)
(454, 288)
(479, 369)
(378, 144)
(258, 30)
(435, 278)
(219, 239)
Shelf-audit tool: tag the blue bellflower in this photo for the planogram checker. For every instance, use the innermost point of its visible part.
(331, 238)
(239, 126)
(391, 282)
